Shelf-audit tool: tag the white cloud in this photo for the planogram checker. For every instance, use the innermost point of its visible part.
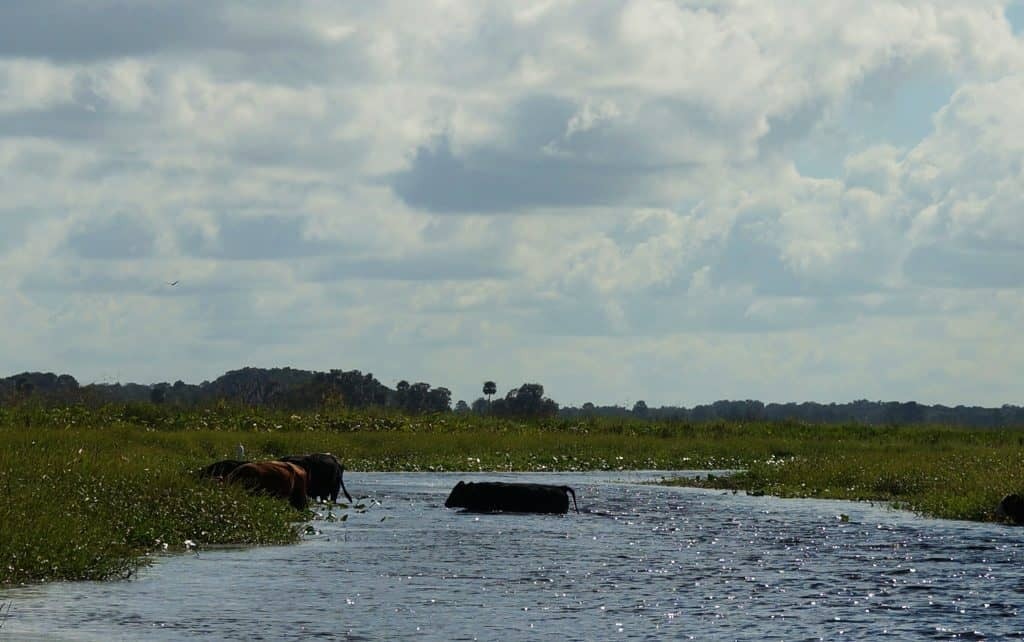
(617, 200)
(31, 84)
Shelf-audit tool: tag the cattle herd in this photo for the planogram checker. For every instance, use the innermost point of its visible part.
(299, 478)
(319, 476)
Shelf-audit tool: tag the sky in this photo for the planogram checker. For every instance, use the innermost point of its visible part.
(674, 201)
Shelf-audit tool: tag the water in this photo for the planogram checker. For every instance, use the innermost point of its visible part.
(640, 562)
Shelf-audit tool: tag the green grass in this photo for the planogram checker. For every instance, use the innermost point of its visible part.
(86, 504)
(90, 493)
(940, 472)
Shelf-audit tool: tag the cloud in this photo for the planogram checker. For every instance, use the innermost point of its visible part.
(97, 30)
(15, 227)
(529, 174)
(960, 267)
(119, 237)
(257, 238)
(75, 31)
(700, 193)
(427, 268)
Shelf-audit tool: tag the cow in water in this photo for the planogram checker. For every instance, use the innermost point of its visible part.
(275, 478)
(488, 497)
(326, 475)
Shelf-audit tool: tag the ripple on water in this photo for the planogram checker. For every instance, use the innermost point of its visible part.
(639, 562)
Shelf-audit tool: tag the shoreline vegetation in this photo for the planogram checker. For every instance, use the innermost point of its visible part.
(90, 493)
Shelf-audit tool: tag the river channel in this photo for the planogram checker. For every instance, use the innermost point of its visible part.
(639, 562)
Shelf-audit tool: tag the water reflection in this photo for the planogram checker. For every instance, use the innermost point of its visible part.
(640, 562)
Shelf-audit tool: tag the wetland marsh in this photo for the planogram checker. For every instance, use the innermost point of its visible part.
(641, 561)
(92, 492)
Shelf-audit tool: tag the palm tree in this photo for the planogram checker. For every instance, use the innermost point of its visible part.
(489, 389)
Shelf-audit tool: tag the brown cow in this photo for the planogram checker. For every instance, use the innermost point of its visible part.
(275, 478)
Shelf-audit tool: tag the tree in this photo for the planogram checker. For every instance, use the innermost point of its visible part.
(402, 394)
(640, 408)
(418, 393)
(439, 400)
(489, 389)
(527, 400)
(23, 386)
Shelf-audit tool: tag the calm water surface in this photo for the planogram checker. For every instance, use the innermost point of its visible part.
(639, 562)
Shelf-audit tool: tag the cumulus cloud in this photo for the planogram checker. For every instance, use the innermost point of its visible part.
(119, 237)
(530, 191)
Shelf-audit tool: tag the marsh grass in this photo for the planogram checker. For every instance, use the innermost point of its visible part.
(89, 493)
(940, 472)
(88, 504)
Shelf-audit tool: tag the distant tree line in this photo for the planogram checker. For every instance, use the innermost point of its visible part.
(285, 388)
(294, 389)
(876, 413)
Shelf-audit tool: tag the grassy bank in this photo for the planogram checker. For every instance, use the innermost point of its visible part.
(940, 472)
(86, 504)
(87, 493)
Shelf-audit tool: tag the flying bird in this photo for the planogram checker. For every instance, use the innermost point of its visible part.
(172, 283)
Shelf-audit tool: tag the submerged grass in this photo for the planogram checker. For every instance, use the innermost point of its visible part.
(89, 493)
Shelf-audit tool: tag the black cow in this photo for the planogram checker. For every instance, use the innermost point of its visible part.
(487, 497)
(325, 475)
(221, 469)
(1011, 507)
